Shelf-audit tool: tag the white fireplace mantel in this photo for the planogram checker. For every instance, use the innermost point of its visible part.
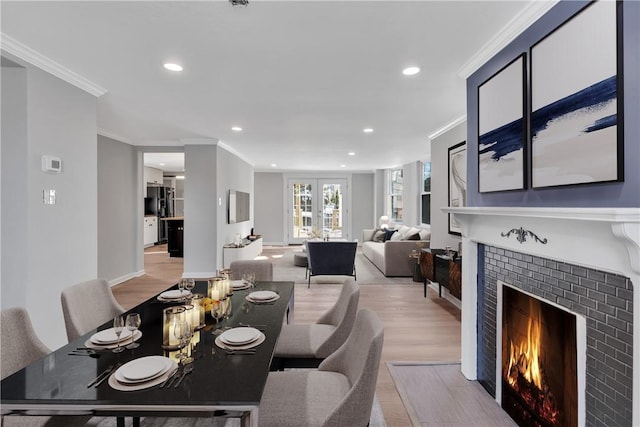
(606, 239)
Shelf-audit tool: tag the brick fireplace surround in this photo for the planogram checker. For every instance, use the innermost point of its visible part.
(589, 264)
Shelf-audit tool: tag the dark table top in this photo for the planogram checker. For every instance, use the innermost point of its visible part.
(59, 381)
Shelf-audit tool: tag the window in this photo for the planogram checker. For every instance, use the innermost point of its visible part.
(395, 195)
(426, 193)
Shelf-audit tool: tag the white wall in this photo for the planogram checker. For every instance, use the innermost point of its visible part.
(362, 197)
(411, 189)
(60, 239)
(267, 207)
(440, 237)
(119, 211)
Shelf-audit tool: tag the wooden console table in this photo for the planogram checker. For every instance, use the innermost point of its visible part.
(439, 268)
(249, 250)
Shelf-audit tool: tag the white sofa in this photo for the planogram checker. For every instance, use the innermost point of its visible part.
(392, 256)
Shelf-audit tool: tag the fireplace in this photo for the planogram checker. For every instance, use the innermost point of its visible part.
(539, 361)
(584, 260)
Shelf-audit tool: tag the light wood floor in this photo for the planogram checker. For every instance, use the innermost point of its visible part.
(416, 328)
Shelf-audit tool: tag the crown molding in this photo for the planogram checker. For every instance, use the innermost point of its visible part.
(25, 53)
(116, 137)
(530, 14)
(447, 127)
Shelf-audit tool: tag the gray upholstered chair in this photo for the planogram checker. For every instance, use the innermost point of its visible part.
(306, 345)
(20, 347)
(262, 268)
(331, 259)
(88, 305)
(339, 393)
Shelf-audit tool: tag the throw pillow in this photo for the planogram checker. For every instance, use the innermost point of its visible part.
(388, 234)
(378, 236)
(403, 230)
(425, 235)
(397, 236)
(415, 236)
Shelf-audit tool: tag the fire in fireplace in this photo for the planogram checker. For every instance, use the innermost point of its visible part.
(539, 372)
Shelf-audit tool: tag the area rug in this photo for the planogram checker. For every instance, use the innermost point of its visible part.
(437, 394)
(377, 420)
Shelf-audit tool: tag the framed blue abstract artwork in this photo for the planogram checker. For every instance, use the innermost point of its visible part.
(501, 129)
(457, 183)
(576, 100)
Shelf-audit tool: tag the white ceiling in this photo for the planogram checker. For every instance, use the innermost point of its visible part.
(303, 78)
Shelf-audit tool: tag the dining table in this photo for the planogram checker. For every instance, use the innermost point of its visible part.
(221, 384)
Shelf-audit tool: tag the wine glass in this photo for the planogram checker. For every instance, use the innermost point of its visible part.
(132, 323)
(187, 334)
(183, 333)
(217, 312)
(118, 326)
(181, 285)
(189, 284)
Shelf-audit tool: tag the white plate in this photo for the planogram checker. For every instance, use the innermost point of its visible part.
(262, 301)
(108, 336)
(252, 344)
(143, 369)
(136, 336)
(239, 285)
(113, 382)
(240, 336)
(263, 295)
(175, 294)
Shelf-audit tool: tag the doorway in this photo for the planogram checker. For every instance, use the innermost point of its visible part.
(316, 208)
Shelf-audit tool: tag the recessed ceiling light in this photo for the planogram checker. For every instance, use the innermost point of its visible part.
(367, 130)
(273, 165)
(179, 176)
(351, 153)
(343, 166)
(173, 67)
(236, 129)
(411, 71)
(161, 164)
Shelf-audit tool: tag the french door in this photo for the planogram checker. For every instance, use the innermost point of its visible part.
(316, 209)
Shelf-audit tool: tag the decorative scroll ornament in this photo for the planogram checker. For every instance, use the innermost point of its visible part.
(522, 235)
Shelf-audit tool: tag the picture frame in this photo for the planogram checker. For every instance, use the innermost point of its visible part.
(502, 129)
(457, 173)
(576, 122)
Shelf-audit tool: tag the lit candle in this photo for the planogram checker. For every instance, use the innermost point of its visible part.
(170, 317)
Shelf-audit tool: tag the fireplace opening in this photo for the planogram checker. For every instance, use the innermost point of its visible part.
(539, 367)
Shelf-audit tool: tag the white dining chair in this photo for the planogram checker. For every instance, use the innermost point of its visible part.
(87, 305)
(306, 345)
(20, 346)
(339, 393)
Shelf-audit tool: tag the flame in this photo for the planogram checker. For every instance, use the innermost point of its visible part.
(524, 357)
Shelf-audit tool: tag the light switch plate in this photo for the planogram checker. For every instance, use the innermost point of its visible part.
(49, 197)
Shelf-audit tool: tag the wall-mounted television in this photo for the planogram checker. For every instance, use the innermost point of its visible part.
(239, 206)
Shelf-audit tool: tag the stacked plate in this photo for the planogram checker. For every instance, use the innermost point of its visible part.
(174, 295)
(142, 373)
(108, 339)
(239, 285)
(240, 338)
(262, 297)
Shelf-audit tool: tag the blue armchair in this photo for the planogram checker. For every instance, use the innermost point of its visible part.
(331, 259)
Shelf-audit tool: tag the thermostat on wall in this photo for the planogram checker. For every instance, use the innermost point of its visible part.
(51, 164)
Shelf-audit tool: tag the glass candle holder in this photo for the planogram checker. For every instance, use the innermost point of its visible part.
(170, 317)
(198, 315)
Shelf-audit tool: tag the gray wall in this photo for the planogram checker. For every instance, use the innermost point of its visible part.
(119, 221)
(440, 237)
(623, 194)
(201, 210)
(270, 192)
(362, 202)
(233, 174)
(268, 207)
(411, 186)
(60, 240)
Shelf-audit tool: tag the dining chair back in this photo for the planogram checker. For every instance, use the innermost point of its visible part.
(20, 346)
(331, 259)
(339, 393)
(262, 268)
(358, 359)
(306, 345)
(87, 305)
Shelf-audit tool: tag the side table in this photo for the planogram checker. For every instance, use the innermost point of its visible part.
(439, 268)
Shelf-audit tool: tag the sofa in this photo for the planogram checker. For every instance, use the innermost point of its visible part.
(389, 250)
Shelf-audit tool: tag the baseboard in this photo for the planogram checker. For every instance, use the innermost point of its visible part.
(446, 295)
(126, 277)
(199, 275)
